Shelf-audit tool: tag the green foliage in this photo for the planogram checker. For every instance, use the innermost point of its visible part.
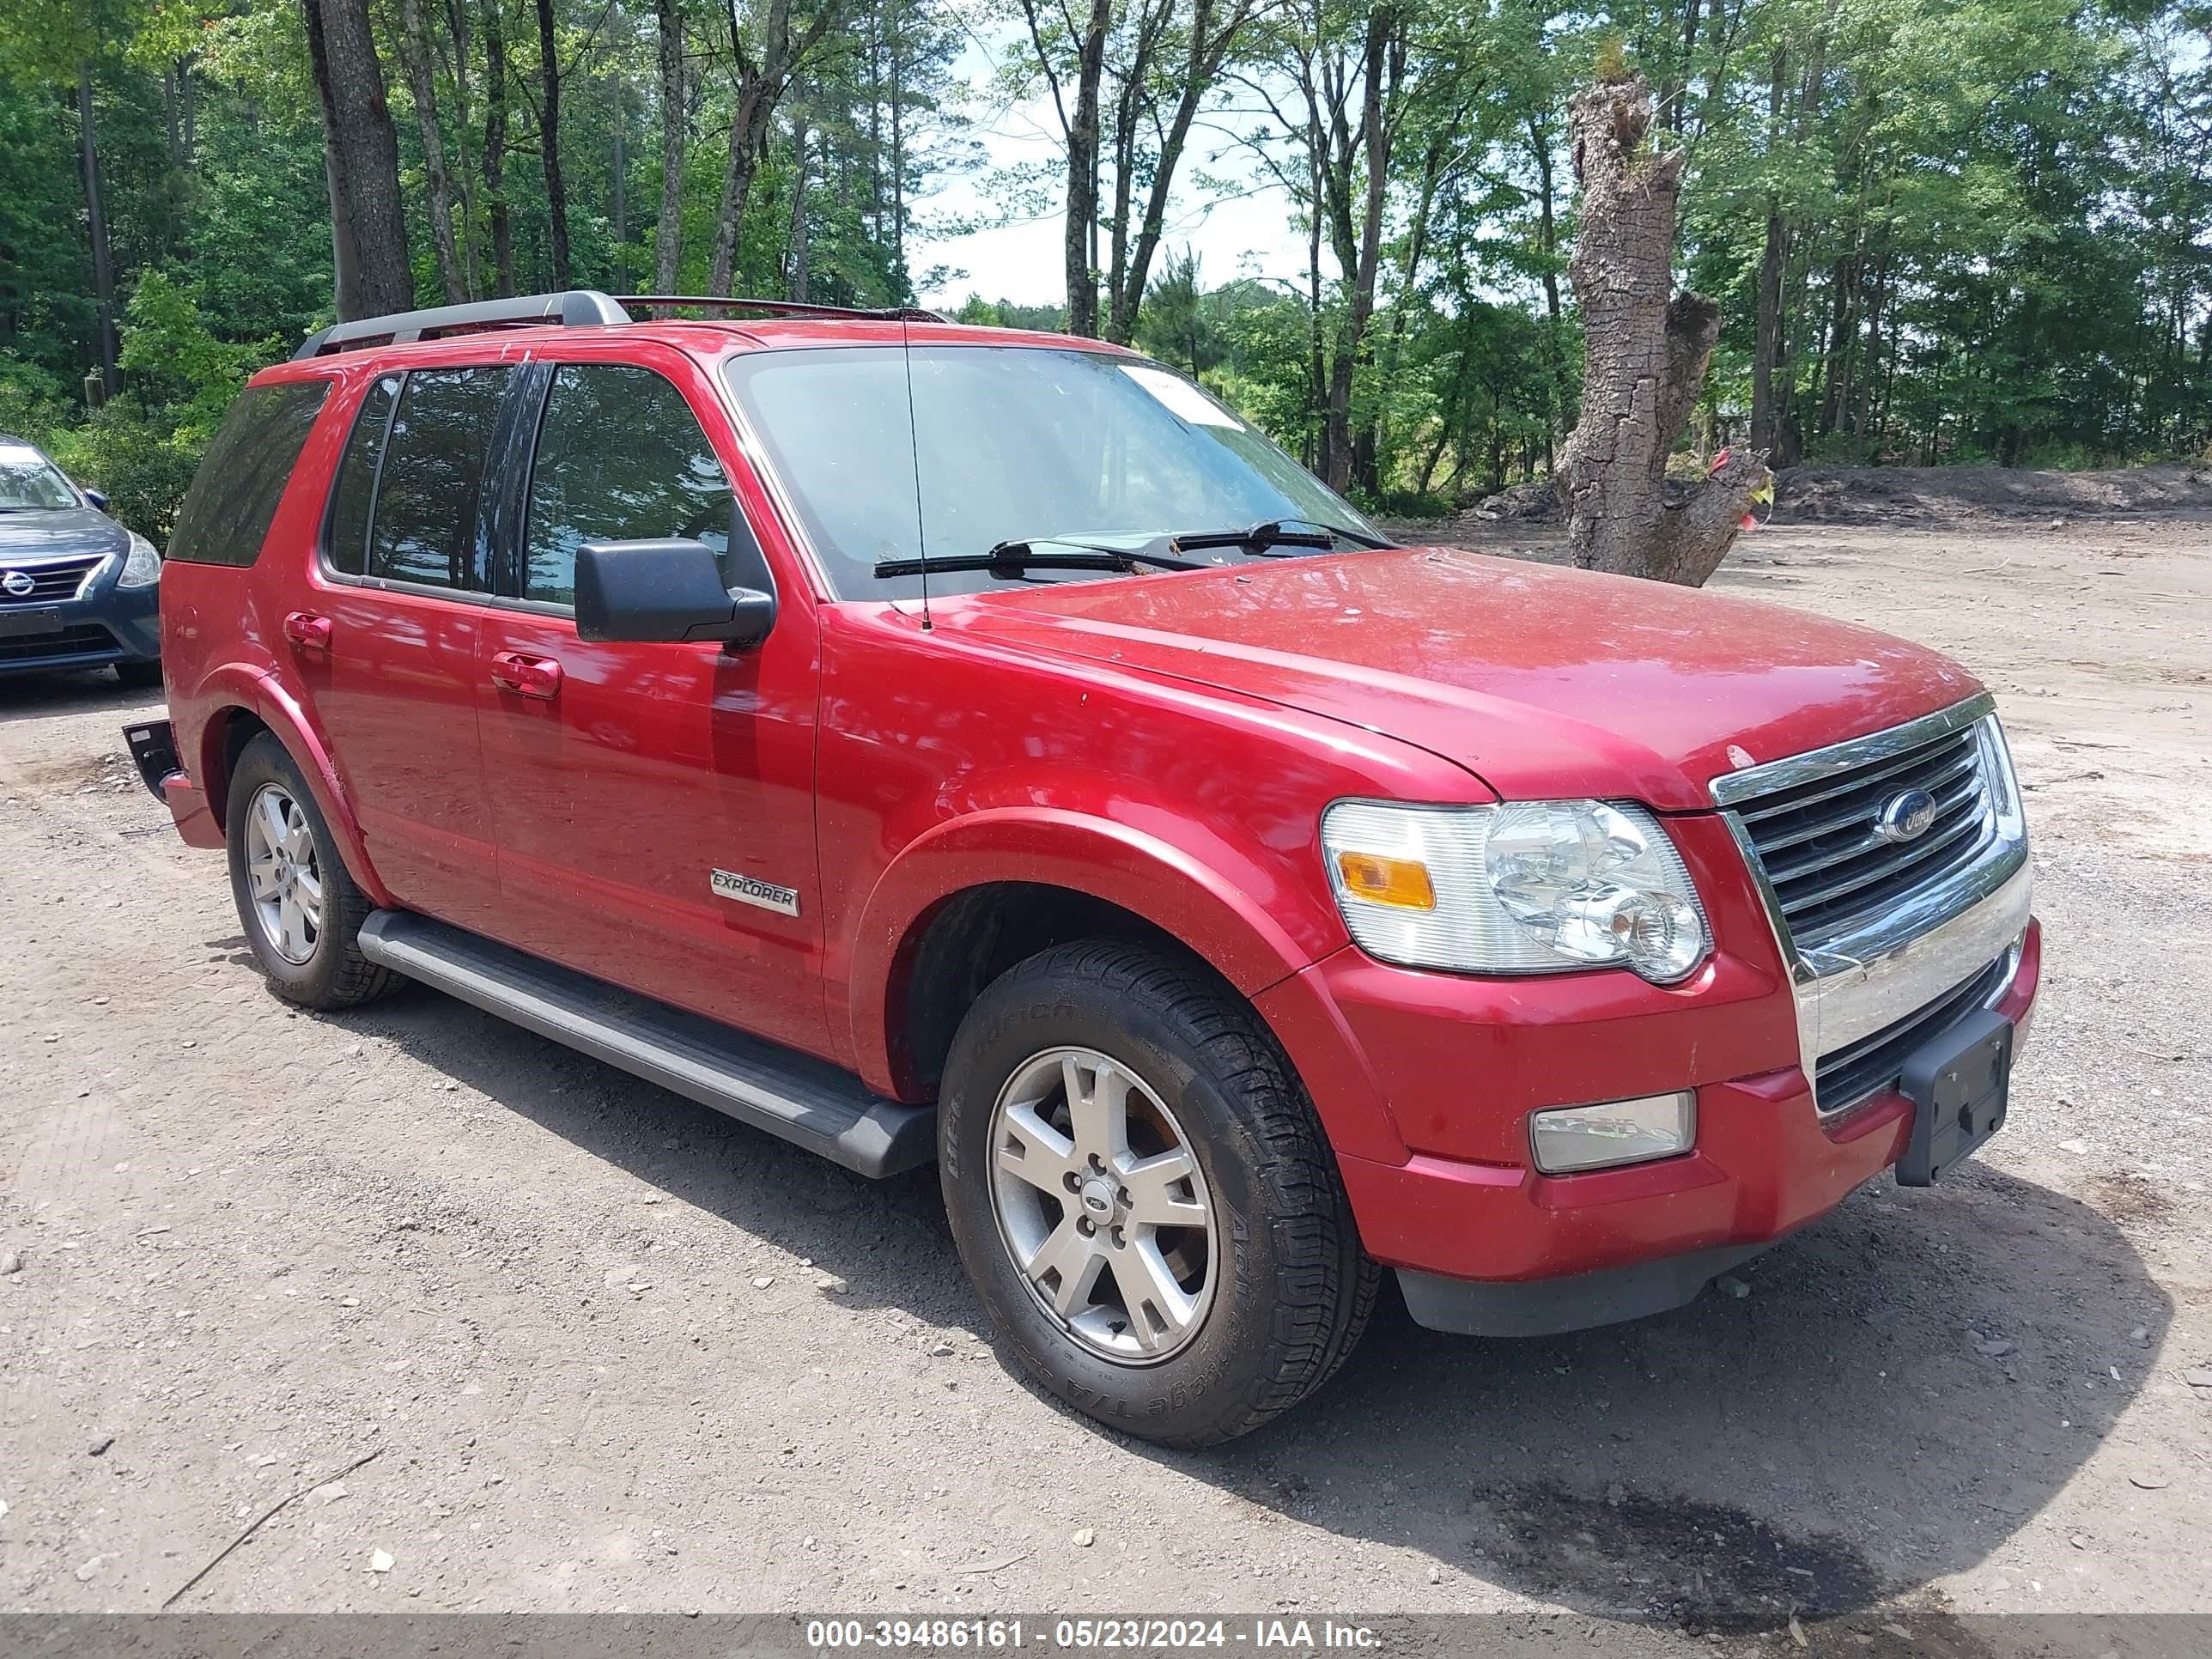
(142, 460)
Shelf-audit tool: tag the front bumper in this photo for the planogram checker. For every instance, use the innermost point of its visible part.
(1485, 1244)
(104, 624)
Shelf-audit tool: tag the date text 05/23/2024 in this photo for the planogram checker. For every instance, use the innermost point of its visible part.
(1270, 1635)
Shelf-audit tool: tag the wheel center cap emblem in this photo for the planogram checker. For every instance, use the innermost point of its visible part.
(1098, 1196)
(1905, 816)
(17, 582)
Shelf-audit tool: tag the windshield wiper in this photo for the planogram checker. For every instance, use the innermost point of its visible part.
(1278, 532)
(1011, 558)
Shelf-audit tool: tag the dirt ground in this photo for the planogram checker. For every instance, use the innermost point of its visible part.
(613, 1352)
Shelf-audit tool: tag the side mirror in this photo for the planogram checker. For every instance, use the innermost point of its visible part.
(97, 497)
(666, 590)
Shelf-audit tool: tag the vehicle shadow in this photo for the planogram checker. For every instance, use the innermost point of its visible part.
(1886, 1398)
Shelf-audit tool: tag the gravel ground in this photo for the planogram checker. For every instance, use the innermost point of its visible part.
(612, 1352)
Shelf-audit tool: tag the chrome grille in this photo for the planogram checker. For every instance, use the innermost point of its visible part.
(51, 581)
(1863, 1069)
(1817, 841)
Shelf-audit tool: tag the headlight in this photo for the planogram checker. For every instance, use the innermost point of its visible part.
(142, 565)
(1529, 887)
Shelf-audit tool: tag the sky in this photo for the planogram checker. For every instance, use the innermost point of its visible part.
(1251, 233)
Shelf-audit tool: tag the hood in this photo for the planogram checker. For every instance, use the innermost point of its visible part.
(52, 532)
(1543, 682)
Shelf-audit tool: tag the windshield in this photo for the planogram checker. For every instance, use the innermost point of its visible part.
(29, 482)
(1013, 443)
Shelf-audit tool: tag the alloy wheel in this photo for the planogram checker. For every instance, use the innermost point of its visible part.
(282, 874)
(1101, 1205)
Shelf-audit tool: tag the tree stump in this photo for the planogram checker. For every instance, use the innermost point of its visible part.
(1645, 359)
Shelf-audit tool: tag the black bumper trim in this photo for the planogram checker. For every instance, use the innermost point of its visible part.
(154, 751)
(1546, 1307)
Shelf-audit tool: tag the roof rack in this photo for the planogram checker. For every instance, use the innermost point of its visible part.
(580, 308)
(787, 308)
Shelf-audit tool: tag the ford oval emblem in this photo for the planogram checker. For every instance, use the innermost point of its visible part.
(17, 582)
(1905, 817)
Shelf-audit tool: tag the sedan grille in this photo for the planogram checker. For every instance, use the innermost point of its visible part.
(49, 582)
(1858, 1070)
(1820, 843)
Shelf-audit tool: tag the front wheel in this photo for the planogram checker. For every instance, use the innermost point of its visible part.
(1138, 1188)
(141, 674)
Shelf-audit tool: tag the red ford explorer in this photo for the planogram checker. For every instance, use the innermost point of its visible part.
(920, 741)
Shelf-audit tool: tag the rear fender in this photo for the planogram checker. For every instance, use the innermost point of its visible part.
(240, 686)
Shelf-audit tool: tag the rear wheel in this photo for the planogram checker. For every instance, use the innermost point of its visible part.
(1139, 1188)
(301, 909)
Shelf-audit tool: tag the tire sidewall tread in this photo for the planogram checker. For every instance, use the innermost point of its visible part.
(338, 974)
(1293, 1288)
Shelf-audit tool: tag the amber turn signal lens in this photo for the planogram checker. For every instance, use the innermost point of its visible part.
(1379, 880)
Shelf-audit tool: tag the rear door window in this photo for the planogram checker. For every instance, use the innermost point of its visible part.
(620, 457)
(355, 495)
(423, 523)
(227, 511)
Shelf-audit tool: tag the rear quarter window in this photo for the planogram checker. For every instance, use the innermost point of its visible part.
(227, 511)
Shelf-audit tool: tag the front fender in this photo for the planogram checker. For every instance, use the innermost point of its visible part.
(1215, 904)
(240, 686)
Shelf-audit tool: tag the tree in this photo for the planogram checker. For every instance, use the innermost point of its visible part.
(368, 231)
(1645, 358)
(760, 74)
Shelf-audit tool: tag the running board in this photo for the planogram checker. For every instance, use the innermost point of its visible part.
(808, 1102)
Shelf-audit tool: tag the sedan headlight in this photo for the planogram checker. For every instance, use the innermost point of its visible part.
(142, 565)
(1528, 887)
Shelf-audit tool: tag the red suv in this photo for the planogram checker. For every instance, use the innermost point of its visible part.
(921, 741)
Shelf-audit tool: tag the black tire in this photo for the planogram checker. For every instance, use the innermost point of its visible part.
(142, 676)
(1291, 1287)
(333, 974)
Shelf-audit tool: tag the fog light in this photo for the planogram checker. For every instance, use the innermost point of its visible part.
(1572, 1138)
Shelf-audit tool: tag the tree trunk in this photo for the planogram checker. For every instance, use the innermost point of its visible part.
(464, 170)
(415, 55)
(1644, 360)
(668, 233)
(1766, 347)
(1382, 58)
(103, 265)
(495, 150)
(616, 93)
(799, 275)
(549, 144)
(364, 151)
(1082, 226)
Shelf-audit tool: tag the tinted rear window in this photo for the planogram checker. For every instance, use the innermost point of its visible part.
(425, 526)
(234, 495)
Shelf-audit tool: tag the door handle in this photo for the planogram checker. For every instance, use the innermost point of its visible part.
(307, 630)
(524, 675)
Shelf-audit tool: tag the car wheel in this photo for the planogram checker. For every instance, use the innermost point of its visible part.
(301, 909)
(1140, 1191)
(142, 676)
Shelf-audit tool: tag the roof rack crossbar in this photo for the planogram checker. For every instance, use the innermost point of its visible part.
(782, 307)
(580, 308)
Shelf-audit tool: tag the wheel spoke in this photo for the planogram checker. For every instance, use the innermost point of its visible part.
(293, 920)
(1158, 1307)
(1100, 1113)
(299, 841)
(1033, 1151)
(1159, 1191)
(309, 887)
(261, 876)
(269, 814)
(1076, 1260)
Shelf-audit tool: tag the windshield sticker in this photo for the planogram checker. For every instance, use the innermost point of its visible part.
(1181, 397)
